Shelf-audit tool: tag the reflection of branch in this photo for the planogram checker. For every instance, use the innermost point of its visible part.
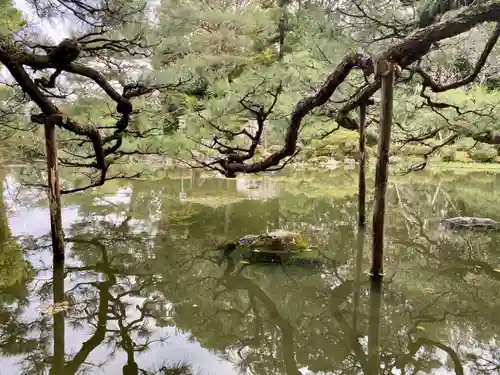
(484, 266)
(336, 297)
(97, 338)
(110, 307)
(423, 341)
(287, 340)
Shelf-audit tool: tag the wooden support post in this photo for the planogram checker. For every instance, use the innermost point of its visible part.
(385, 70)
(362, 162)
(54, 192)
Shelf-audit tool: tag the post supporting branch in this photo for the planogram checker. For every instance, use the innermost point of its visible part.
(54, 192)
(385, 70)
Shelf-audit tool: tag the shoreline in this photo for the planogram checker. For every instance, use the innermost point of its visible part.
(165, 163)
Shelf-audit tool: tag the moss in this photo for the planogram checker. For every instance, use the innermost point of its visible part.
(342, 143)
(486, 155)
(461, 156)
(464, 144)
(415, 150)
(307, 153)
(465, 167)
(327, 150)
(281, 241)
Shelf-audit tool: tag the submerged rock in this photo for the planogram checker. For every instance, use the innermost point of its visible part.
(464, 222)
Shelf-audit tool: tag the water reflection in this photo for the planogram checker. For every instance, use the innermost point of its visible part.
(58, 320)
(149, 293)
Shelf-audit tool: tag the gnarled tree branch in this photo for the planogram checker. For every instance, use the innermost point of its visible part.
(404, 53)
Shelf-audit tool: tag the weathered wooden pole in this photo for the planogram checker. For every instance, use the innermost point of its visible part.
(54, 192)
(385, 70)
(361, 214)
(362, 162)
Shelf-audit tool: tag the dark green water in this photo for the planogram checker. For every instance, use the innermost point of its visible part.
(150, 294)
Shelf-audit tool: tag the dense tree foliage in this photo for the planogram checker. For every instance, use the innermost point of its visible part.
(245, 86)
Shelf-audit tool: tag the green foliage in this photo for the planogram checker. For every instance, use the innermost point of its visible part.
(340, 144)
(227, 52)
(435, 8)
(15, 271)
(11, 19)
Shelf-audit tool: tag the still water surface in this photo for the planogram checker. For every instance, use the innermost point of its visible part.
(149, 293)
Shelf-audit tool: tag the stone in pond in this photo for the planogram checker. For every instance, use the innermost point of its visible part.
(248, 240)
(280, 240)
(464, 222)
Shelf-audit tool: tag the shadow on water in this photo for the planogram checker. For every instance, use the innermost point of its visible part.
(145, 290)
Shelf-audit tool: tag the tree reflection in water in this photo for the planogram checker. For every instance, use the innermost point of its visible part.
(141, 267)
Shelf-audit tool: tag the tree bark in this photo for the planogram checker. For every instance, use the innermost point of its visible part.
(385, 70)
(54, 193)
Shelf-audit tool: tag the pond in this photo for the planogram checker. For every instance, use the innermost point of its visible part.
(149, 291)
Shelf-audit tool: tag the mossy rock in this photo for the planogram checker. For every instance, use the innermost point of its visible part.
(340, 144)
(483, 155)
(280, 240)
(415, 150)
(280, 246)
(272, 247)
(327, 150)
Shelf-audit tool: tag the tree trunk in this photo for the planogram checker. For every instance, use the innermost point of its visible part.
(386, 71)
(54, 193)
(362, 158)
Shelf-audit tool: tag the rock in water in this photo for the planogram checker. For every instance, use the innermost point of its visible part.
(247, 240)
(280, 240)
(464, 222)
(273, 247)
